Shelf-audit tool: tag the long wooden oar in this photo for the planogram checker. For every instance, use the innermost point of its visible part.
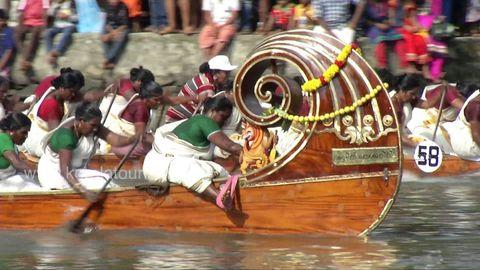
(75, 225)
(104, 120)
(440, 109)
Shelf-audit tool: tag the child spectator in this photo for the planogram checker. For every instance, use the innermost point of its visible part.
(7, 45)
(437, 48)
(333, 16)
(281, 16)
(219, 26)
(158, 16)
(134, 13)
(415, 40)
(382, 31)
(64, 18)
(115, 33)
(32, 18)
(304, 15)
(172, 17)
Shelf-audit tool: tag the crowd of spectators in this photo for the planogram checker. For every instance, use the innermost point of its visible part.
(416, 30)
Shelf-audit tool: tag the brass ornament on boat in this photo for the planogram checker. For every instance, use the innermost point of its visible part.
(368, 120)
(327, 122)
(347, 120)
(364, 156)
(387, 120)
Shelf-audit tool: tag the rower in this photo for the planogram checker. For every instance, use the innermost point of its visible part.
(50, 110)
(69, 145)
(15, 174)
(213, 74)
(125, 88)
(462, 136)
(406, 98)
(182, 151)
(423, 121)
(132, 120)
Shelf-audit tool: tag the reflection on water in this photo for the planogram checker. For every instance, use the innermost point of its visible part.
(434, 225)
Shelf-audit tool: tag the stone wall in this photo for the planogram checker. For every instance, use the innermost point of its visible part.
(178, 57)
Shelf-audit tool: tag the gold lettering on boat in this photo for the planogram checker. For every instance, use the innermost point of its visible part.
(364, 155)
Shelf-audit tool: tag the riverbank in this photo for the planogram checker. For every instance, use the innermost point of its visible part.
(177, 57)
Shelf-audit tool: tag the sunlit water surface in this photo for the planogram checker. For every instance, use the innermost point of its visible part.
(434, 224)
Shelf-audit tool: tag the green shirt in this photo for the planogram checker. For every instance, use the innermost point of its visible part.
(63, 138)
(196, 130)
(6, 144)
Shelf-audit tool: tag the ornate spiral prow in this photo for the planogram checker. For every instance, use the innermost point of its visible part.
(339, 140)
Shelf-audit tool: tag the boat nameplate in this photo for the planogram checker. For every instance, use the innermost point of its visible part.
(364, 155)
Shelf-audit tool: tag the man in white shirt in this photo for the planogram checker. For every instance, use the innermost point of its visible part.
(219, 29)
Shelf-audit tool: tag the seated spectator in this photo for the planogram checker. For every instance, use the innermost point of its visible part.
(158, 16)
(64, 18)
(382, 30)
(32, 18)
(115, 33)
(333, 16)
(172, 17)
(6, 46)
(281, 16)
(219, 26)
(304, 15)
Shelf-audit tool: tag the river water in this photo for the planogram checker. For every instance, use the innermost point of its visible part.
(434, 224)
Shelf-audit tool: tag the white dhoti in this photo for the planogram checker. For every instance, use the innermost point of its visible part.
(174, 161)
(289, 138)
(11, 181)
(113, 120)
(460, 133)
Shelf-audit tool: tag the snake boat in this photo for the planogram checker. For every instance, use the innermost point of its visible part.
(338, 171)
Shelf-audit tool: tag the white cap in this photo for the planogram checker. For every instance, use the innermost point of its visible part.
(221, 62)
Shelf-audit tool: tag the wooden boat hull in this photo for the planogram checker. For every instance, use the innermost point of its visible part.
(451, 166)
(345, 207)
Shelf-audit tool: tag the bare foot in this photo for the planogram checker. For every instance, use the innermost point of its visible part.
(107, 65)
(151, 28)
(188, 30)
(52, 58)
(168, 30)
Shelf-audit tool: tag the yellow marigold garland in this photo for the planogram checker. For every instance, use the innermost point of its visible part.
(326, 116)
(332, 70)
